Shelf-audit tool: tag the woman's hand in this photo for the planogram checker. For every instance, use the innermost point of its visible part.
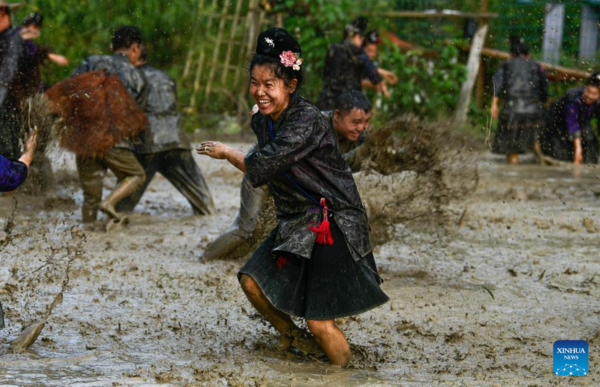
(214, 149)
(389, 76)
(220, 151)
(30, 145)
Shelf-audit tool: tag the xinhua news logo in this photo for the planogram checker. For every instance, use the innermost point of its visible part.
(571, 357)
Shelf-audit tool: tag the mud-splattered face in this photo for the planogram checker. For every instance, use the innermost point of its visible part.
(271, 93)
(351, 125)
(590, 94)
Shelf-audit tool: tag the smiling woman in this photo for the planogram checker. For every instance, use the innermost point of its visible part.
(318, 263)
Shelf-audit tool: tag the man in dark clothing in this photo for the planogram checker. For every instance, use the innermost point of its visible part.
(522, 83)
(570, 135)
(11, 66)
(345, 65)
(119, 159)
(164, 147)
(349, 120)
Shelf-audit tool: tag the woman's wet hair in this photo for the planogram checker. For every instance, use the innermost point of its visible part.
(356, 27)
(287, 74)
(593, 80)
(518, 46)
(352, 99)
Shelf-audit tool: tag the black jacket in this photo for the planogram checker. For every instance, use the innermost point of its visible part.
(523, 85)
(345, 67)
(306, 148)
(164, 131)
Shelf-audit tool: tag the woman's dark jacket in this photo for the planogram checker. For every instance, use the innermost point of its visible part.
(306, 148)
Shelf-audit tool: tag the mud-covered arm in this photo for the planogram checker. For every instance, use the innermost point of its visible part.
(9, 65)
(12, 174)
(281, 153)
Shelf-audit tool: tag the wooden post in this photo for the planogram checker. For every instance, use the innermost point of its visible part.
(481, 77)
(472, 69)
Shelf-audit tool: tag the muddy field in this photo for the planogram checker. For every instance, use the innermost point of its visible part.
(479, 302)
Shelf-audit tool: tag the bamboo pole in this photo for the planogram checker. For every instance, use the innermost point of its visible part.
(567, 72)
(215, 58)
(445, 13)
(238, 8)
(481, 76)
(190, 55)
(201, 57)
(473, 68)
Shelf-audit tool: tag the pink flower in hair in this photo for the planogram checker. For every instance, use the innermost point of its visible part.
(288, 58)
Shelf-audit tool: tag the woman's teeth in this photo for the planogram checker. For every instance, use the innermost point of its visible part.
(263, 102)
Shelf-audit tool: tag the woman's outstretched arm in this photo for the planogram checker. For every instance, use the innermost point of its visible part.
(220, 151)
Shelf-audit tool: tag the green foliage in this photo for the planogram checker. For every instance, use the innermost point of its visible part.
(429, 82)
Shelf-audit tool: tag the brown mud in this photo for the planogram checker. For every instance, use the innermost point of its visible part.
(479, 304)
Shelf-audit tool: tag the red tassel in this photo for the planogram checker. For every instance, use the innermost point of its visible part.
(323, 230)
(281, 262)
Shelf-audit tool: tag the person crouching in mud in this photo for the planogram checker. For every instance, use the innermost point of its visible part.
(318, 263)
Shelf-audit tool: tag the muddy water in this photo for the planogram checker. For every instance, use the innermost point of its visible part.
(478, 304)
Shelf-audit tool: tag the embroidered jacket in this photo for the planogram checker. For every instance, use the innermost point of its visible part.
(301, 165)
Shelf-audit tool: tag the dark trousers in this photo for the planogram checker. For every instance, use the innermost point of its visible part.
(177, 166)
(92, 170)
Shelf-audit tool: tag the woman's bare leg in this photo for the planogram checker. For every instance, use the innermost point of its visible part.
(512, 158)
(281, 321)
(332, 341)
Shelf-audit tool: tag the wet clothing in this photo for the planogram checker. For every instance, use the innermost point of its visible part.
(179, 167)
(571, 118)
(329, 285)
(253, 200)
(345, 66)
(302, 164)
(11, 68)
(164, 132)
(120, 158)
(164, 147)
(91, 170)
(523, 86)
(12, 174)
(298, 157)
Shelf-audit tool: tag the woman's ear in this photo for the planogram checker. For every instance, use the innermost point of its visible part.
(292, 85)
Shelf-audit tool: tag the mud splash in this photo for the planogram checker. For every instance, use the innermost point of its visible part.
(141, 310)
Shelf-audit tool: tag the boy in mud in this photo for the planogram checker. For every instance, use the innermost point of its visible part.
(522, 84)
(119, 159)
(570, 134)
(349, 119)
(345, 66)
(313, 266)
(164, 147)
